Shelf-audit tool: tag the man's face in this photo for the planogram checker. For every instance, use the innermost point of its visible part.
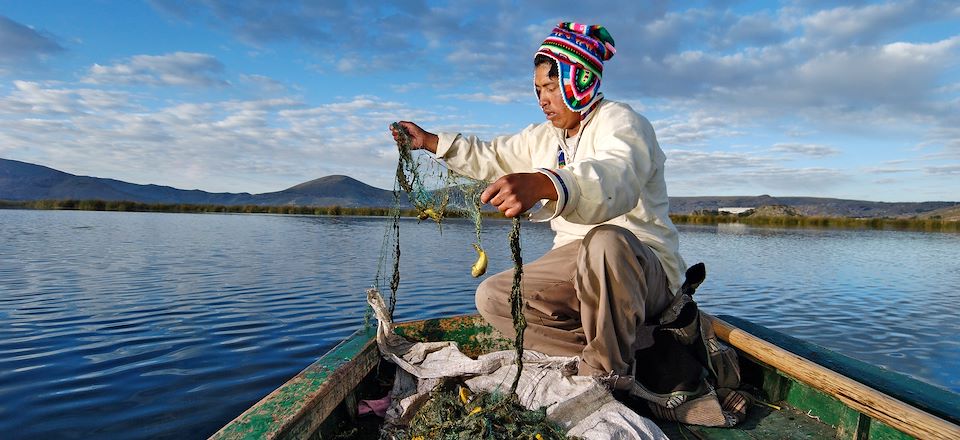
(551, 100)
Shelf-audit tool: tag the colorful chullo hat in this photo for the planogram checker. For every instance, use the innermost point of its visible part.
(580, 51)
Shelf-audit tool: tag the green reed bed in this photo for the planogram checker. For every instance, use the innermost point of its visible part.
(125, 206)
(905, 224)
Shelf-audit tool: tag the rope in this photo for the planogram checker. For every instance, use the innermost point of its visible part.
(395, 279)
(516, 299)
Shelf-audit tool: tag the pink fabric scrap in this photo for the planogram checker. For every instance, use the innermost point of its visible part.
(376, 406)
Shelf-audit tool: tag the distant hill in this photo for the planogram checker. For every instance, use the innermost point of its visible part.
(809, 206)
(329, 191)
(774, 211)
(25, 181)
(950, 214)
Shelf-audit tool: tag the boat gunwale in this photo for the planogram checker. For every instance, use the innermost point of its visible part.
(933, 399)
(885, 408)
(311, 395)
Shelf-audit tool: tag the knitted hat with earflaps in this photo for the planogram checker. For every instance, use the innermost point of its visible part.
(580, 51)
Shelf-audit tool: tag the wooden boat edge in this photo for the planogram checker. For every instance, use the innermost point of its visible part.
(892, 411)
(298, 407)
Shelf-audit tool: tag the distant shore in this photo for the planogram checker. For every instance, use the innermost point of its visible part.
(906, 224)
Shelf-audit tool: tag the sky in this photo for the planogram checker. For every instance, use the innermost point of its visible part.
(856, 100)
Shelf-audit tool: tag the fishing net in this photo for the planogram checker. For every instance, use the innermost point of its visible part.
(436, 193)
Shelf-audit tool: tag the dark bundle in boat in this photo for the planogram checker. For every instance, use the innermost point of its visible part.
(452, 413)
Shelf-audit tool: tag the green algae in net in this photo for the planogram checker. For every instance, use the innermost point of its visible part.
(453, 413)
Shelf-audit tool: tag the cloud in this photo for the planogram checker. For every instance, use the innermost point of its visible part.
(501, 98)
(695, 128)
(862, 78)
(262, 86)
(35, 99)
(815, 150)
(888, 181)
(946, 135)
(256, 145)
(493, 92)
(693, 162)
(408, 87)
(895, 74)
(23, 44)
(450, 41)
(772, 58)
(175, 69)
(791, 180)
(780, 80)
(868, 24)
(691, 172)
(944, 170)
(341, 33)
(760, 29)
(889, 170)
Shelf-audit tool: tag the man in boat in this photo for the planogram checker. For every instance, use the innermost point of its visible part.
(596, 164)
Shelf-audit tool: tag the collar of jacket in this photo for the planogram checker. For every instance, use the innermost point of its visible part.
(588, 115)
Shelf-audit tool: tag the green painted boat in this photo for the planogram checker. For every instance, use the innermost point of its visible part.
(813, 393)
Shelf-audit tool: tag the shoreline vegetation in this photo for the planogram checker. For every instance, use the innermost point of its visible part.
(699, 218)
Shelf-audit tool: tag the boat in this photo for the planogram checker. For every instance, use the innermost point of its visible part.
(807, 391)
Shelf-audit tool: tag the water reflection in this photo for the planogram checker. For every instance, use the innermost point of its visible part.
(138, 325)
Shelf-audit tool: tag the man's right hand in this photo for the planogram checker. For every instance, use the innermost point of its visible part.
(419, 138)
(514, 194)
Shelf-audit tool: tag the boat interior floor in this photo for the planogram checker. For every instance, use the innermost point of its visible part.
(762, 422)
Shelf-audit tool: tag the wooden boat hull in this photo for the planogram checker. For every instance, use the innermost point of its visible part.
(817, 393)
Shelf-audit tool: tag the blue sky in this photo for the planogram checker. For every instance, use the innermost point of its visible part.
(797, 98)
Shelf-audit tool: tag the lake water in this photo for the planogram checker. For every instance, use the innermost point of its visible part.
(145, 325)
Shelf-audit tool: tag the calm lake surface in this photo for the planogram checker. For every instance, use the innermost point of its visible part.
(145, 325)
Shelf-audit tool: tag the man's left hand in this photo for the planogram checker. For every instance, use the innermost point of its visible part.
(514, 194)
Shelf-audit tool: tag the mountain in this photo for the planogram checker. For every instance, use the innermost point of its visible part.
(25, 181)
(329, 191)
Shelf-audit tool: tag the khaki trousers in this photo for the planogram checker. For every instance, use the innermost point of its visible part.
(590, 298)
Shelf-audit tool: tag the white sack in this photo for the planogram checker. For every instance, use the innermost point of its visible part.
(580, 404)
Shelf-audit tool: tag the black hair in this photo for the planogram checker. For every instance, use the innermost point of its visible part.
(543, 59)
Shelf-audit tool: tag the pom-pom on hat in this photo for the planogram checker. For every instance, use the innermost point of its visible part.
(580, 51)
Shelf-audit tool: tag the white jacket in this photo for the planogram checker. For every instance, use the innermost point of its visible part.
(615, 177)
